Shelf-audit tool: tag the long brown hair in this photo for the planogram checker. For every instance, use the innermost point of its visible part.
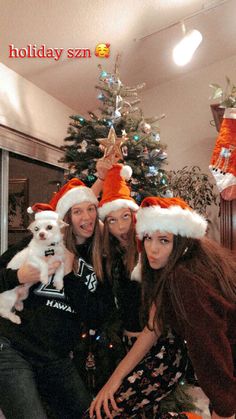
(111, 247)
(96, 251)
(204, 260)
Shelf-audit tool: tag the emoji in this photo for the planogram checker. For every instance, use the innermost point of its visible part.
(102, 50)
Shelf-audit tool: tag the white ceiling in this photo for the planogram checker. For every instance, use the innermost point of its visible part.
(122, 23)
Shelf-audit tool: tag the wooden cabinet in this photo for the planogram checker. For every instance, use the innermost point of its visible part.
(228, 223)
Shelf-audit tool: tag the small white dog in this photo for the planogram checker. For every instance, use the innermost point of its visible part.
(47, 241)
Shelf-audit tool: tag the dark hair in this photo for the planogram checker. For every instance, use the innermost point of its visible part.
(204, 260)
(111, 248)
(96, 251)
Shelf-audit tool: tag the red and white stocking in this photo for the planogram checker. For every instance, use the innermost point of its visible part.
(223, 160)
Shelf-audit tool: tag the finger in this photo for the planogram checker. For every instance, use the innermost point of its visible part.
(106, 408)
(113, 403)
(91, 409)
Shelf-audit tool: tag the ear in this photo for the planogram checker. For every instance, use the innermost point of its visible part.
(31, 226)
(62, 224)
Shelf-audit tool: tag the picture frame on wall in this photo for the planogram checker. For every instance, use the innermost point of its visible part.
(18, 203)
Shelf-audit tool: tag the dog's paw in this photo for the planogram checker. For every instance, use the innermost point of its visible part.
(14, 318)
(58, 285)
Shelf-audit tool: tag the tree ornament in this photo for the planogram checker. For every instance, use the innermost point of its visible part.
(156, 136)
(83, 147)
(103, 74)
(146, 128)
(136, 137)
(112, 145)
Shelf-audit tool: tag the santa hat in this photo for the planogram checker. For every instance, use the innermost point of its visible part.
(43, 212)
(116, 193)
(171, 215)
(73, 192)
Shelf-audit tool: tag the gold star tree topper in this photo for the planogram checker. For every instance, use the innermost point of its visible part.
(112, 146)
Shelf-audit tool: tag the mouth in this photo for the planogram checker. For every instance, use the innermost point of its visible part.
(124, 237)
(87, 227)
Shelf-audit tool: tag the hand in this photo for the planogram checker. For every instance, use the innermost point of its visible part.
(105, 395)
(102, 167)
(28, 273)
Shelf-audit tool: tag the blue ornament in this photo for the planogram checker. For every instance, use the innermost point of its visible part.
(90, 178)
(101, 96)
(81, 119)
(163, 180)
(103, 74)
(156, 136)
(136, 137)
(153, 170)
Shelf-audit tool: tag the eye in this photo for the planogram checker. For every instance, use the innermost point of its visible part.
(91, 209)
(147, 237)
(111, 221)
(49, 227)
(36, 229)
(126, 216)
(164, 241)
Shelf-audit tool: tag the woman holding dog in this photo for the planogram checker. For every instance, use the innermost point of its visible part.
(35, 362)
(190, 285)
(150, 369)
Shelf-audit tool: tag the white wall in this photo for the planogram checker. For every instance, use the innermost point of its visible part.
(26, 108)
(186, 129)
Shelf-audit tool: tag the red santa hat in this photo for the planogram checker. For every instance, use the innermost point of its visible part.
(171, 215)
(116, 192)
(73, 192)
(42, 211)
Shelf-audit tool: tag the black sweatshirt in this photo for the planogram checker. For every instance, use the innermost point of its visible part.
(52, 320)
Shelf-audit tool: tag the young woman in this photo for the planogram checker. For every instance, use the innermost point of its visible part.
(190, 285)
(35, 362)
(152, 367)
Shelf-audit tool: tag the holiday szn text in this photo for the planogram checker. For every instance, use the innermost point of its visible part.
(33, 51)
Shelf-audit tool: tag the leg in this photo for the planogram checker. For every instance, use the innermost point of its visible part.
(19, 397)
(153, 378)
(63, 389)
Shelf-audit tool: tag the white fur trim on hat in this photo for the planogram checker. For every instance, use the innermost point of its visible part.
(46, 215)
(174, 219)
(76, 195)
(115, 205)
(136, 272)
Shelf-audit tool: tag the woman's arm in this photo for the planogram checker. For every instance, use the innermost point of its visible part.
(102, 166)
(143, 344)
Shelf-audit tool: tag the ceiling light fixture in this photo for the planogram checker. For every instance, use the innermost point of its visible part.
(185, 49)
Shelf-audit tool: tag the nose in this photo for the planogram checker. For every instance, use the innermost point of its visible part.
(154, 247)
(41, 235)
(86, 216)
(121, 225)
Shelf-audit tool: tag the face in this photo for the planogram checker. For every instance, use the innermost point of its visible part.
(119, 223)
(158, 247)
(83, 217)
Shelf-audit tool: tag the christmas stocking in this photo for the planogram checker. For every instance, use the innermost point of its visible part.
(223, 160)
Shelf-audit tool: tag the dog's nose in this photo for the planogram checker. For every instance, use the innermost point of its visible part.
(41, 235)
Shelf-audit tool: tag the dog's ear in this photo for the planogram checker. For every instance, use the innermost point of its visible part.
(62, 224)
(31, 226)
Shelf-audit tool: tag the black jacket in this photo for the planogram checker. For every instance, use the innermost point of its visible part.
(52, 320)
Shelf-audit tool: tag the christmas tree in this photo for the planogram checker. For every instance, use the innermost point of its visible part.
(122, 131)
